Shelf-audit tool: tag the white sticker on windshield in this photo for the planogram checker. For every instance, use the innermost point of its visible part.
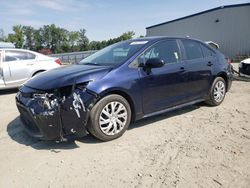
(138, 42)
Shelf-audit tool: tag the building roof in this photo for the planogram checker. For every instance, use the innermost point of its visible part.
(199, 13)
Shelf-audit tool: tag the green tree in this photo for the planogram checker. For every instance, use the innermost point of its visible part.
(73, 40)
(83, 41)
(53, 37)
(29, 38)
(2, 35)
(38, 39)
(17, 37)
(97, 45)
(57, 40)
(126, 36)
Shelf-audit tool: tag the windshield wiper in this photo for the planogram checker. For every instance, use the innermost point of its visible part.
(96, 64)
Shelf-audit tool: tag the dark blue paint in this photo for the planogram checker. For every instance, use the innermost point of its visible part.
(148, 92)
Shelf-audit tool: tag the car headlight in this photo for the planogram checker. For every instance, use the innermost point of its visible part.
(240, 65)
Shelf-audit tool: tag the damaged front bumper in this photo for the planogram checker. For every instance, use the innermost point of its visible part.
(55, 115)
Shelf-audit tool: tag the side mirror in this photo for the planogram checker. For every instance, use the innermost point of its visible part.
(154, 63)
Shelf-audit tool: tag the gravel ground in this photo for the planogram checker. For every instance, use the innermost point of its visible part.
(198, 146)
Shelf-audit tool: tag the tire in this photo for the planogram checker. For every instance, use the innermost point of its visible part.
(217, 92)
(106, 122)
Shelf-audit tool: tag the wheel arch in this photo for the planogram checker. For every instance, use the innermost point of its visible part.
(125, 95)
(224, 76)
(37, 71)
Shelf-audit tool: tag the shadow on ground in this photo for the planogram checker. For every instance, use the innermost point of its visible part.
(240, 78)
(16, 132)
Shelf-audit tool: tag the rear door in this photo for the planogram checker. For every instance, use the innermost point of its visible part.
(199, 68)
(17, 66)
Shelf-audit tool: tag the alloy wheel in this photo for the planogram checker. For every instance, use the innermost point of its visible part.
(113, 118)
(219, 91)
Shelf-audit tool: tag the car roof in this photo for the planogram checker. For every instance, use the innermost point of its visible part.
(21, 50)
(16, 49)
(157, 38)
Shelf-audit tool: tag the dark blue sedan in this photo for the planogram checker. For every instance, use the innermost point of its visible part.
(121, 83)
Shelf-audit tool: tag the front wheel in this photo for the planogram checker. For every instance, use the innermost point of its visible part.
(217, 92)
(109, 118)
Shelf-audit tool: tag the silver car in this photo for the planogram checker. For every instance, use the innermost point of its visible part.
(18, 65)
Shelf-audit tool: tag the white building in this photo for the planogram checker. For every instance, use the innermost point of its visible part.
(228, 26)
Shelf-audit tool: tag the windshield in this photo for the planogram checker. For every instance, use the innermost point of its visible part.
(115, 54)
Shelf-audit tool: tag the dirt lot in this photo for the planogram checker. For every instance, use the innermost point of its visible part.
(198, 146)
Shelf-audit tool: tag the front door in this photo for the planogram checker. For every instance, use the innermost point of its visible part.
(165, 86)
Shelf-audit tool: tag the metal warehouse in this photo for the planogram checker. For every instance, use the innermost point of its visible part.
(228, 26)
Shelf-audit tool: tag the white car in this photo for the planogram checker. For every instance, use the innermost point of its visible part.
(18, 65)
(244, 68)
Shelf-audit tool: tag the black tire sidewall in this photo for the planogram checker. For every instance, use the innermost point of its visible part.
(94, 127)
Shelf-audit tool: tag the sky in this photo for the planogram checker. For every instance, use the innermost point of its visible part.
(102, 19)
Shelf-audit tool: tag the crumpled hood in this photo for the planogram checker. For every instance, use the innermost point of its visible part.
(67, 75)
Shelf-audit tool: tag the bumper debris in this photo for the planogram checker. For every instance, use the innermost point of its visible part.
(51, 116)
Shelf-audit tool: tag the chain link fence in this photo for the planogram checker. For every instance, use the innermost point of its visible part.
(73, 57)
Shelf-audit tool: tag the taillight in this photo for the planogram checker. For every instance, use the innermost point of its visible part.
(58, 61)
(229, 61)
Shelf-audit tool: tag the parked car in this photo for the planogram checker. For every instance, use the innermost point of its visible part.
(121, 83)
(244, 68)
(18, 65)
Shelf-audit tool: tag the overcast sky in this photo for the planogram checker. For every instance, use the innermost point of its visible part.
(103, 19)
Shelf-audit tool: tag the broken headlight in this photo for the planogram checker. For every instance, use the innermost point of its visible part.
(50, 99)
(46, 100)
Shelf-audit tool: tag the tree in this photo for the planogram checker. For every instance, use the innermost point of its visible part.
(17, 38)
(53, 37)
(97, 45)
(72, 41)
(127, 35)
(50, 38)
(83, 40)
(29, 38)
(38, 38)
(1, 35)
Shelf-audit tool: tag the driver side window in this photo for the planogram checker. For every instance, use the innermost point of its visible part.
(168, 51)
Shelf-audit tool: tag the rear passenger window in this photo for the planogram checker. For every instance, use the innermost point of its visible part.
(193, 49)
(206, 52)
(14, 55)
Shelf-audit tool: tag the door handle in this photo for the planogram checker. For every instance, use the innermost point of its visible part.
(209, 63)
(182, 69)
(30, 64)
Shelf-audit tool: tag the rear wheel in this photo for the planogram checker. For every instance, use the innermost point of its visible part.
(217, 92)
(109, 118)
